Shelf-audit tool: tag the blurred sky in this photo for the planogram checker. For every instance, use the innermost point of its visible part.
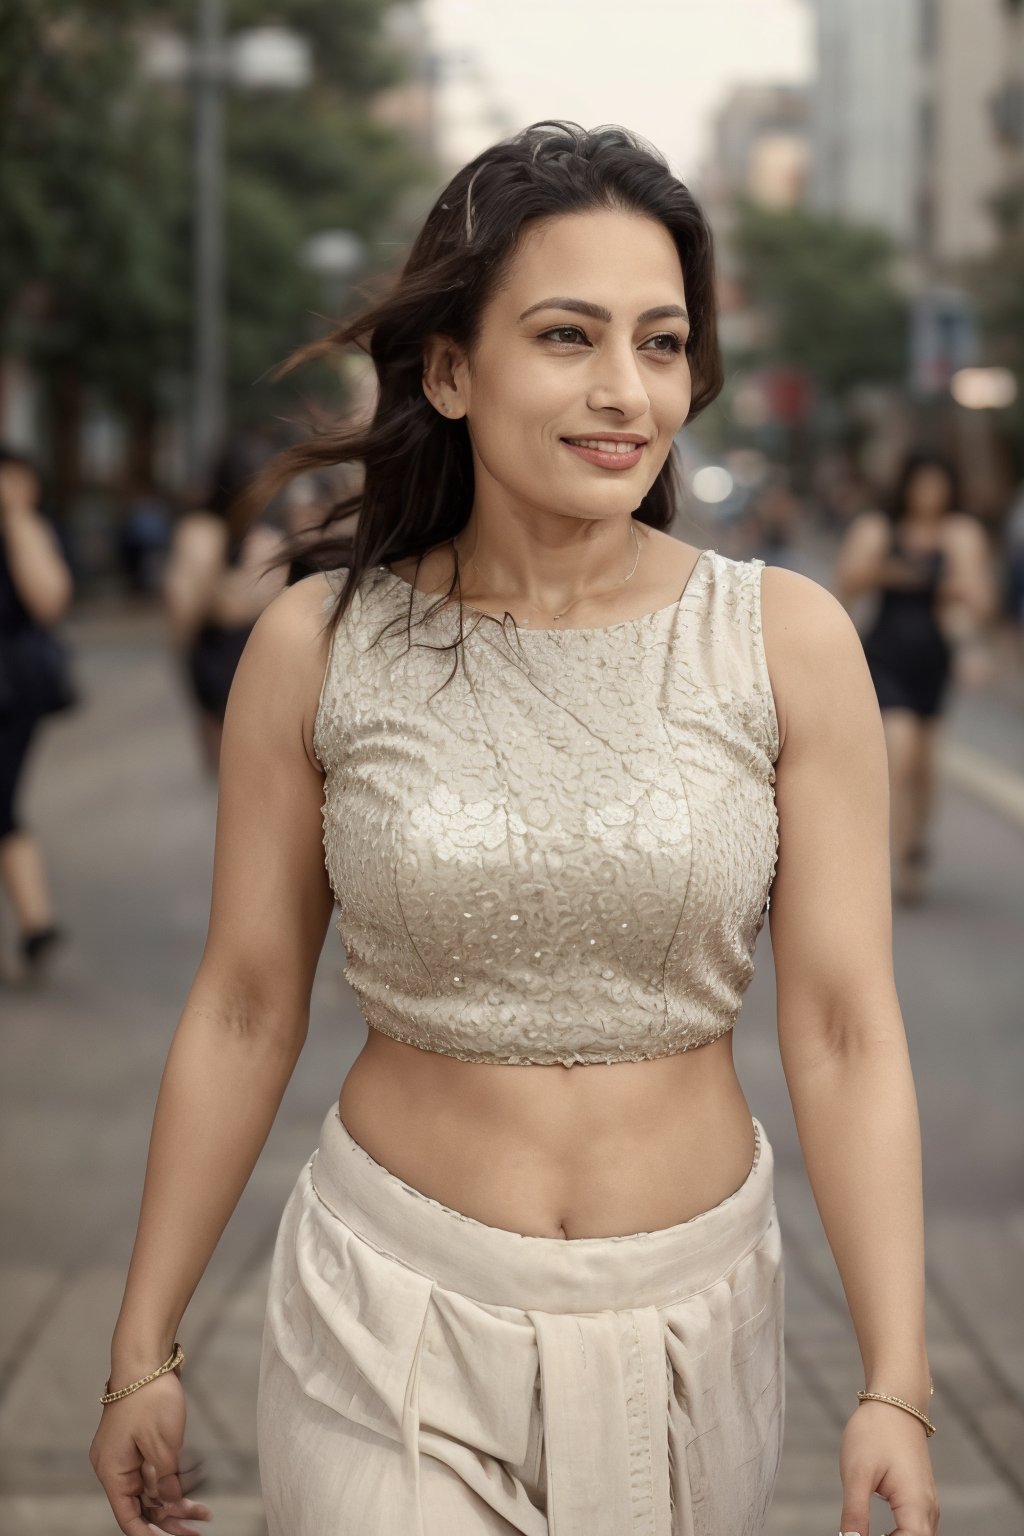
(660, 67)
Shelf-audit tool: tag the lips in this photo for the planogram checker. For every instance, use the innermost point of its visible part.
(608, 452)
(610, 443)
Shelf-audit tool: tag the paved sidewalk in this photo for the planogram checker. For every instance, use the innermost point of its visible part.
(129, 822)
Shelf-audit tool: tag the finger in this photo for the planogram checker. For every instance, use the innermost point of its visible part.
(160, 1479)
(856, 1517)
(125, 1508)
(180, 1509)
(192, 1476)
(917, 1520)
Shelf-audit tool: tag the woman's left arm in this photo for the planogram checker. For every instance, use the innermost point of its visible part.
(38, 569)
(970, 586)
(841, 1033)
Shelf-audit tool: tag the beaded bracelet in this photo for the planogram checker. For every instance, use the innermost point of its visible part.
(174, 1359)
(898, 1402)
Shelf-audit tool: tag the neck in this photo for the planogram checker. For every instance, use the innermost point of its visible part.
(552, 578)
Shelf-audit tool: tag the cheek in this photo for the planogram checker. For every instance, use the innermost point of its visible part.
(671, 396)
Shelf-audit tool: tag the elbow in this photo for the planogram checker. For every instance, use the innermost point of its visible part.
(249, 1012)
(51, 605)
(840, 1037)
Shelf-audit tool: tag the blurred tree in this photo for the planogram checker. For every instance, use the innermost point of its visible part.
(827, 296)
(95, 192)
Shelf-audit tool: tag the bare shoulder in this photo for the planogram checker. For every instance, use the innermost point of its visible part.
(201, 525)
(293, 629)
(800, 610)
(962, 531)
(814, 653)
(282, 668)
(870, 528)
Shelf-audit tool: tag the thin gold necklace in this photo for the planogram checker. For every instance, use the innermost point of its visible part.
(580, 599)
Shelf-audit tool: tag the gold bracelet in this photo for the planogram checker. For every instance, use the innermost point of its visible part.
(898, 1402)
(174, 1359)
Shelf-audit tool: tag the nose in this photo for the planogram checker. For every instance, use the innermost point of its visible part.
(617, 383)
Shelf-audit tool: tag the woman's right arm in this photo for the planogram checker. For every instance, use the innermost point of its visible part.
(861, 559)
(867, 563)
(240, 1034)
(194, 565)
(38, 569)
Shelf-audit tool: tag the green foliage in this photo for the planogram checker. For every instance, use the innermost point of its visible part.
(826, 293)
(352, 53)
(90, 184)
(96, 188)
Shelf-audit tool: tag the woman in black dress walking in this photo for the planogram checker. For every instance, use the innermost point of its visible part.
(35, 590)
(929, 565)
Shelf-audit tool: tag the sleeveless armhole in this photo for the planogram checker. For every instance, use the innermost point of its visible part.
(326, 608)
(761, 664)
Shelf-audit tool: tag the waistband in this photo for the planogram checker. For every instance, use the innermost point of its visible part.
(503, 1268)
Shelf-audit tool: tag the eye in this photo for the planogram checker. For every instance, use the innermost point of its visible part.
(673, 344)
(565, 335)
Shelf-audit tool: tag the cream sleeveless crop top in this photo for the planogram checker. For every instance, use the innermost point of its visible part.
(565, 854)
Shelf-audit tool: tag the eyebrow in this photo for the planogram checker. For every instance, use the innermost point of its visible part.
(598, 312)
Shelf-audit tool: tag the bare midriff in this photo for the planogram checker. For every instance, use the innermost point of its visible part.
(590, 1150)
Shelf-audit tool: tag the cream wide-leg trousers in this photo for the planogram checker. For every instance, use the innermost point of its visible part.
(423, 1374)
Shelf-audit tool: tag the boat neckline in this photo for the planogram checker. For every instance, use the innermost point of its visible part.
(595, 629)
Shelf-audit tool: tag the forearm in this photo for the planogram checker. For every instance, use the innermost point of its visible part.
(186, 604)
(856, 1115)
(220, 1091)
(40, 574)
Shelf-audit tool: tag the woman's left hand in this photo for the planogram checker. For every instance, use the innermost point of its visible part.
(885, 1451)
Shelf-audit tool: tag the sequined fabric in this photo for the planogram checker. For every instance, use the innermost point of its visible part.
(563, 855)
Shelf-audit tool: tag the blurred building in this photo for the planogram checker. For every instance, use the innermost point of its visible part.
(1007, 106)
(760, 147)
(759, 151)
(901, 124)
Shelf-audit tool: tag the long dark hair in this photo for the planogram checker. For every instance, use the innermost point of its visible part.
(916, 460)
(418, 484)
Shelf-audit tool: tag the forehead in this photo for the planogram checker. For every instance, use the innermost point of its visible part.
(623, 260)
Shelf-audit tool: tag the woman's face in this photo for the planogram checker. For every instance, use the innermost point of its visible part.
(929, 493)
(585, 340)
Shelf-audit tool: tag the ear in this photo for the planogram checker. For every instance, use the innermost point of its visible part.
(445, 376)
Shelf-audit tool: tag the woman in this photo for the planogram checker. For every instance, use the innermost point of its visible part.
(531, 1279)
(35, 590)
(930, 567)
(219, 579)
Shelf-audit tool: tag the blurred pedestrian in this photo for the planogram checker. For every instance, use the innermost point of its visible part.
(35, 681)
(927, 565)
(220, 575)
(772, 522)
(531, 1279)
(143, 538)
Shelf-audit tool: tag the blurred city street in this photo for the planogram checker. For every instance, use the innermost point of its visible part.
(128, 818)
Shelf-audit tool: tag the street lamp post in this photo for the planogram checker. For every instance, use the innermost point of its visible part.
(259, 58)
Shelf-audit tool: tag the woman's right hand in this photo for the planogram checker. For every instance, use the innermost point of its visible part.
(135, 1454)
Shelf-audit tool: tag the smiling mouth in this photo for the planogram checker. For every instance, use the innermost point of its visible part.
(605, 444)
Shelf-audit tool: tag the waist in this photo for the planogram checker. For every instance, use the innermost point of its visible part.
(504, 1268)
(599, 1150)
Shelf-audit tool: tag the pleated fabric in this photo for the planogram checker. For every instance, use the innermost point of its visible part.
(424, 1374)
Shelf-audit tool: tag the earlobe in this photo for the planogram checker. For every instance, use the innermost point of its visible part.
(441, 360)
